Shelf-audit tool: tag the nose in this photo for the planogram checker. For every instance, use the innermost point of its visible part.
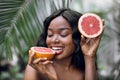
(55, 39)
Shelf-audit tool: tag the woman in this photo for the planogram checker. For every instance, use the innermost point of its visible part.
(75, 58)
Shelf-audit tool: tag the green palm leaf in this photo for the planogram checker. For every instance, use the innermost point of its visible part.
(21, 23)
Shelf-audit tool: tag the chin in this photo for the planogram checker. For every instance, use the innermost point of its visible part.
(58, 57)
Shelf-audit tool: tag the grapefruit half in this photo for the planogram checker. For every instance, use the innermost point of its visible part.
(90, 25)
(43, 52)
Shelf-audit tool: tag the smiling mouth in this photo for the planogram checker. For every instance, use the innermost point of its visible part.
(58, 50)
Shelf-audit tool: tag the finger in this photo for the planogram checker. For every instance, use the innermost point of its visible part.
(39, 60)
(103, 21)
(103, 29)
(82, 40)
(103, 25)
(36, 61)
(30, 52)
(31, 57)
(33, 66)
(98, 39)
(51, 61)
(88, 40)
(43, 59)
(47, 62)
(83, 37)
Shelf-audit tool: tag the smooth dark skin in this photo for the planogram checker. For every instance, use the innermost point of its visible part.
(60, 35)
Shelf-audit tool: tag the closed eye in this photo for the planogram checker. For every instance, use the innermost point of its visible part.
(64, 35)
(49, 35)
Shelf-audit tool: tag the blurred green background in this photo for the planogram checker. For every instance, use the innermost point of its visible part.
(21, 23)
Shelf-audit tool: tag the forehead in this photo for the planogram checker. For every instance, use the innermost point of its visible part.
(59, 22)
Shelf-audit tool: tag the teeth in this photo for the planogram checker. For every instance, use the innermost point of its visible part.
(56, 48)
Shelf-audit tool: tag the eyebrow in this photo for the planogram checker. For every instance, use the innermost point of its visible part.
(60, 28)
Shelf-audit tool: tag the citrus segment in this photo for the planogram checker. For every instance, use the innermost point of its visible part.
(43, 52)
(90, 25)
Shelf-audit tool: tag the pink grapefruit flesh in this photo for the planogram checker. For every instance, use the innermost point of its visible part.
(43, 52)
(90, 25)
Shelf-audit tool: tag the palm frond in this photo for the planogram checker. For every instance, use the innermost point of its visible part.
(21, 22)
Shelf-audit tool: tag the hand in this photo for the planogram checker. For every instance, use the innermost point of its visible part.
(43, 66)
(90, 45)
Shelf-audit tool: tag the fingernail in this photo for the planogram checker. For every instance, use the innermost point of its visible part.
(51, 61)
(45, 58)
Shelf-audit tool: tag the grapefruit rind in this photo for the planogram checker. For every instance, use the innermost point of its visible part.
(80, 26)
(38, 54)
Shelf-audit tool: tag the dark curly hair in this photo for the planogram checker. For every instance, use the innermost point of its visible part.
(72, 17)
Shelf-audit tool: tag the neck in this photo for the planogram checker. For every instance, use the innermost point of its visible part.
(65, 63)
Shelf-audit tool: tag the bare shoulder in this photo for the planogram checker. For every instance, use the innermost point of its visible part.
(79, 75)
(31, 74)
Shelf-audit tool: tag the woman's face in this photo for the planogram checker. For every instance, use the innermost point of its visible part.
(59, 38)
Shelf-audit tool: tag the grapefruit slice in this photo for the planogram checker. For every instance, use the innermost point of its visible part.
(43, 52)
(90, 25)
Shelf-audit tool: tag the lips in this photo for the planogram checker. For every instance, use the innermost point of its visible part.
(58, 50)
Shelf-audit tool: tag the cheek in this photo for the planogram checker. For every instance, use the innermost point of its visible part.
(70, 44)
(69, 40)
(48, 41)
